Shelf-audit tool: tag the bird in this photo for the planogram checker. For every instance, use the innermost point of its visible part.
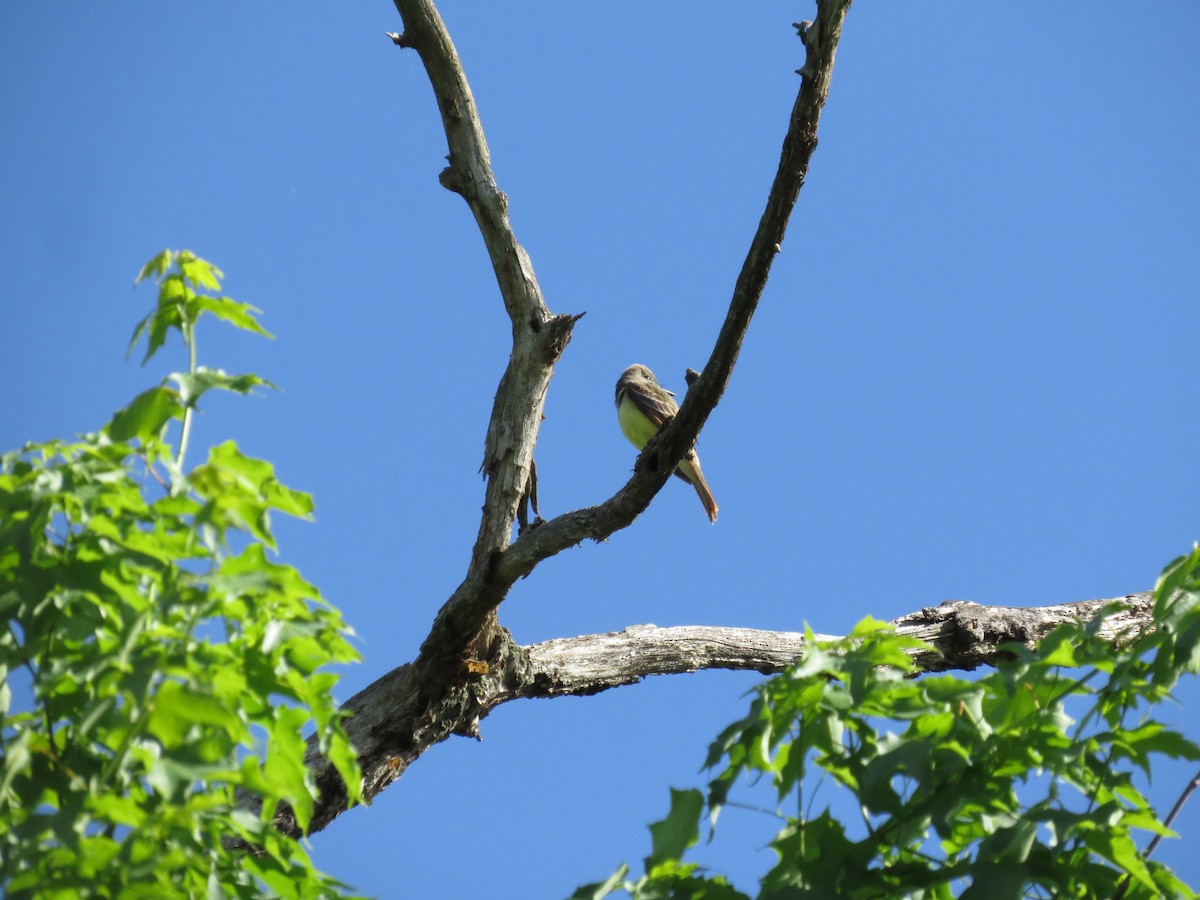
(643, 407)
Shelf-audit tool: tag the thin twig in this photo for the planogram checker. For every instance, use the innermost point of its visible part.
(1187, 792)
(1188, 789)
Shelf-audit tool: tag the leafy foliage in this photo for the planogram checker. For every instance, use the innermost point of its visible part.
(148, 669)
(1021, 783)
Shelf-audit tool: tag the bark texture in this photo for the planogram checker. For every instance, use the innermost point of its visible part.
(390, 732)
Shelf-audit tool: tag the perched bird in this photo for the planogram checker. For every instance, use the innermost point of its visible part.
(643, 407)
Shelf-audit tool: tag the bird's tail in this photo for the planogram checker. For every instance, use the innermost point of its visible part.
(689, 470)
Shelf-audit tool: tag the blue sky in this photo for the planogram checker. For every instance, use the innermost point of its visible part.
(972, 374)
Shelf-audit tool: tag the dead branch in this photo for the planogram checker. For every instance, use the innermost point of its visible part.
(468, 664)
(391, 727)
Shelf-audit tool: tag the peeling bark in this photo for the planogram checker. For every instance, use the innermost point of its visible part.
(392, 727)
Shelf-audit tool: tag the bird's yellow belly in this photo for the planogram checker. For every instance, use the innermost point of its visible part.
(634, 423)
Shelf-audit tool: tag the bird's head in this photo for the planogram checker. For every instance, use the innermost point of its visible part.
(638, 371)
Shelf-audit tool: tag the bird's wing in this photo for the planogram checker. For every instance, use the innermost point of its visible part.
(656, 402)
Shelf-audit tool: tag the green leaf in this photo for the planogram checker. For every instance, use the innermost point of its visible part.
(240, 315)
(1119, 848)
(177, 709)
(1185, 656)
(192, 386)
(156, 266)
(145, 417)
(1011, 845)
(284, 768)
(815, 855)
(1058, 649)
(991, 880)
(672, 836)
(601, 889)
(259, 476)
(240, 492)
(168, 313)
(1154, 737)
(199, 272)
(1181, 574)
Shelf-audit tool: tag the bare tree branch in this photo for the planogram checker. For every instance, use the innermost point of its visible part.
(466, 620)
(512, 431)
(391, 727)
(597, 662)
(466, 638)
(962, 635)
(468, 664)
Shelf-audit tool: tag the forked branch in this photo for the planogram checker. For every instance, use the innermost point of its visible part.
(465, 631)
(468, 664)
